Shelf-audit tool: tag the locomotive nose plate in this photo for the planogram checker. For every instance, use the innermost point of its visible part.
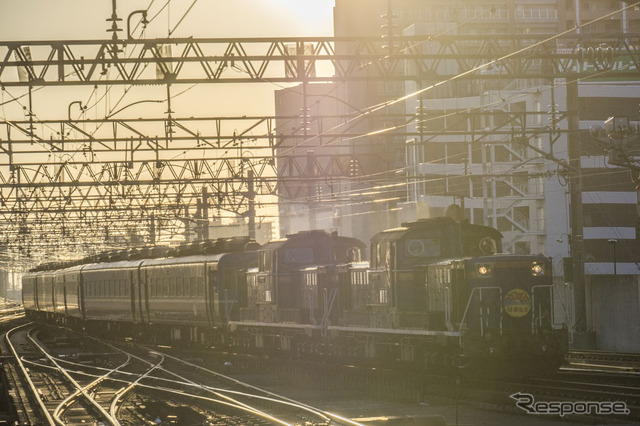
(517, 303)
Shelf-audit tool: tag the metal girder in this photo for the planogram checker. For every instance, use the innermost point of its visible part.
(84, 141)
(133, 136)
(112, 62)
(108, 182)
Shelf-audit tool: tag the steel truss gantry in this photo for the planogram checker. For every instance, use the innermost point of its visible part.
(189, 60)
(118, 176)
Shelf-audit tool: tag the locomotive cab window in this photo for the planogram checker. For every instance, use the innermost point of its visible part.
(298, 255)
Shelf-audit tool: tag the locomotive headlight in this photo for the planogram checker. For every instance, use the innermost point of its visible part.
(483, 271)
(537, 270)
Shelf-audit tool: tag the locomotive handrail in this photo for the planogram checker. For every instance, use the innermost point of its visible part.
(466, 309)
(447, 308)
(329, 299)
(533, 305)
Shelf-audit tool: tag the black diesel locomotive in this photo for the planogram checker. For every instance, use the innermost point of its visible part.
(435, 295)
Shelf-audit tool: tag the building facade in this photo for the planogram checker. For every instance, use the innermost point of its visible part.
(498, 147)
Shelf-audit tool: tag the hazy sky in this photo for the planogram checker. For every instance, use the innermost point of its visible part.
(80, 19)
(25, 20)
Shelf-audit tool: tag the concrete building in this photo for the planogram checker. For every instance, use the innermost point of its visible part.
(240, 228)
(479, 148)
(468, 157)
(10, 286)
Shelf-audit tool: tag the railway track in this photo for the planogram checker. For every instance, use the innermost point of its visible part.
(50, 386)
(235, 402)
(19, 408)
(130, 384)
(604, 360)
(573, 387)
(124, 383)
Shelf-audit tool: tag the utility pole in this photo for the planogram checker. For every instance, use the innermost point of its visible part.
(251, 196)
(152, 230)
(311, 188)
(575, 214)
(205, 213)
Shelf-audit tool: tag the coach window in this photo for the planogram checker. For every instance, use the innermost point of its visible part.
(179, 286)
(193, 287)
(172, 286)
(154, 287)
(164, 288)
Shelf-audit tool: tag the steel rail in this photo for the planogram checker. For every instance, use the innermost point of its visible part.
(186, 382)
(66, 403)
(279, 397)
(32, 386)
(93, 402)
(231, 402)
(114, 407)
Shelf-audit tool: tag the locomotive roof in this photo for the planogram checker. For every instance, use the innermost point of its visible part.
(313, 234)
(435, 223)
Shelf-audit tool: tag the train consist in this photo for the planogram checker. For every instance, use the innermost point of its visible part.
(436, 294)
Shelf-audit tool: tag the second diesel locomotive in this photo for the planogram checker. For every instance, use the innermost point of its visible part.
(436, 294)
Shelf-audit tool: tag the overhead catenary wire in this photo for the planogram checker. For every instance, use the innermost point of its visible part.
(194, 2)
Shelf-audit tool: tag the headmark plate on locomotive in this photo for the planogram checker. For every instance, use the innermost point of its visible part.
(517, 303)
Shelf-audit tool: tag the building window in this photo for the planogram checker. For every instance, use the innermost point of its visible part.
(604, 215)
